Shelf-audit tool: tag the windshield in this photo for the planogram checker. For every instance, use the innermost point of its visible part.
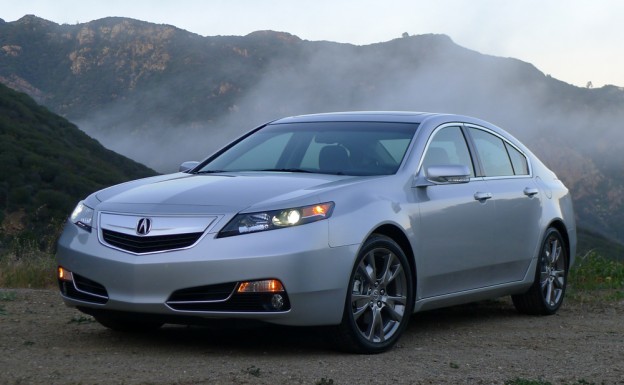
(342, 148)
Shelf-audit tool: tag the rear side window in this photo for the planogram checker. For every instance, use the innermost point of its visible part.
(498, 157)
(518, 160)
(493, 153)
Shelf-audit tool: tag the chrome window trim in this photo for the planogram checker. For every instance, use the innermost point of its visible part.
(471, 125)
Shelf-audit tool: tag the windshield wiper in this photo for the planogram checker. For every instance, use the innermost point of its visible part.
(262, 170)
(209, 172)
(286, 170)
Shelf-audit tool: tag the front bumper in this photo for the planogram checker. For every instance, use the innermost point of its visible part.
(314, 275)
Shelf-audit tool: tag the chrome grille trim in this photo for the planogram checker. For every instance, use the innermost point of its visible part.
(168, 232)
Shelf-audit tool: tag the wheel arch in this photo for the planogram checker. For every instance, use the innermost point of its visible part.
(397, 235)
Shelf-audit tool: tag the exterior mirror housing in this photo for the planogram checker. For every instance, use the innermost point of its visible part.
(443, 174)
(186, 166)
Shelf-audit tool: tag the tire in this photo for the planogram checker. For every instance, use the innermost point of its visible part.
(126, 324)
(380, 298)
(551, 277)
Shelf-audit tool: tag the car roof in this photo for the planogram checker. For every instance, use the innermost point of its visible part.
(360, 116)
(430, 119)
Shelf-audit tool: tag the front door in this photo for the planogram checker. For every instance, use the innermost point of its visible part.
(456, 223)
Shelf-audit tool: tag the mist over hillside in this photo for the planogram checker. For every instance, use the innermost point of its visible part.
(161, 95)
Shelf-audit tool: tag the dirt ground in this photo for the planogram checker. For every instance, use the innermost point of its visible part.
(44, 342)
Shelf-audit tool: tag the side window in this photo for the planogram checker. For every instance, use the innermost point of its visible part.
(518, 161)
(492, 152)
(448, 146)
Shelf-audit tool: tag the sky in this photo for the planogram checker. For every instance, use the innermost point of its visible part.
(577, 41)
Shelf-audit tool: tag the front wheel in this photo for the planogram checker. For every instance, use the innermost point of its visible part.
(546, 294)
(379, 300)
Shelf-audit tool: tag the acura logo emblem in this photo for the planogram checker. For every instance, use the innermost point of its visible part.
(144, 226)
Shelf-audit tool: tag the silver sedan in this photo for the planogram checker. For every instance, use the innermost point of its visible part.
(355, 220)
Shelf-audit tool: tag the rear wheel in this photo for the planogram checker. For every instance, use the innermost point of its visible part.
(379, 300)
(546, 294)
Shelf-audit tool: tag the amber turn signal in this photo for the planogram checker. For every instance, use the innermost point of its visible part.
(264, 286)
(65, 275)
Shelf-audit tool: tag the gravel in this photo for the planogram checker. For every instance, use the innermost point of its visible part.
(44, 342)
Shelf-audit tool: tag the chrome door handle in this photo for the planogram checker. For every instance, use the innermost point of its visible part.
(530, 191)
(482, 196)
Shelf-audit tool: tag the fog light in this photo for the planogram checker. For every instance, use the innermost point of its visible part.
(65, 275)
(265, 286)
(277, 301)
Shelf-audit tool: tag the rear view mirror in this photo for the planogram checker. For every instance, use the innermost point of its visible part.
(446, 174)
(184, 167)
(450, 174)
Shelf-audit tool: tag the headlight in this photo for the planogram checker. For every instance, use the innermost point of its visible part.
(276, 219)
(82, 216)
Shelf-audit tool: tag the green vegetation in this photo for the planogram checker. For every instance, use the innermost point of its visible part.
(46, 166)
(596, 276)
(27, 267)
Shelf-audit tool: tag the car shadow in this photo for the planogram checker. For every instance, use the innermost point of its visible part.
(256, 338)
(462, 315)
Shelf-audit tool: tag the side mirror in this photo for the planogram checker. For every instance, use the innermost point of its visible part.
(184, 167)
(447, 174)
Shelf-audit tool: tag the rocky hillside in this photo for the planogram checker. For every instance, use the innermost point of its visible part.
(144, 89)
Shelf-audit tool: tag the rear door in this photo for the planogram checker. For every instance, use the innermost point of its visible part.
(506, 171)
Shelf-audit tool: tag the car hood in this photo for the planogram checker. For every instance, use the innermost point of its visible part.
(224, 193)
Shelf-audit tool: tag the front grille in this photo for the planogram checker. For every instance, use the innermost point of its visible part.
(223, 298)
(140, 245)
(84, 289)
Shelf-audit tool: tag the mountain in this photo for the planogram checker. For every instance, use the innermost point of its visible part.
(162, 95)
(46, 166)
